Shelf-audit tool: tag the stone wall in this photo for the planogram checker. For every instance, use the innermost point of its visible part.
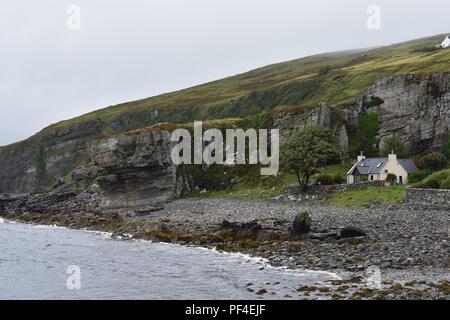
(428, 198)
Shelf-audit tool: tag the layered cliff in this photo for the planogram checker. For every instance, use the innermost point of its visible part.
(45, 158)
(132, 170)
(416, 109)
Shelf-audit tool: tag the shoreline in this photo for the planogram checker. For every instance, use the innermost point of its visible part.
(197, 222)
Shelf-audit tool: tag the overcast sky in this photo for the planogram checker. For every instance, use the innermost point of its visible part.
(131, 49)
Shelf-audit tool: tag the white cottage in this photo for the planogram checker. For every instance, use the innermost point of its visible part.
(445, 43)
(377, 169)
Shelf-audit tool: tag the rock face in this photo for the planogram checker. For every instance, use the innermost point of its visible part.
(415, 109)
(133, 170)
(301, 118)
(45, 158)
(125, 172)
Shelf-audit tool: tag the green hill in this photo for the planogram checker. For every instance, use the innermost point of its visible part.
(334, 78)
(331, 77)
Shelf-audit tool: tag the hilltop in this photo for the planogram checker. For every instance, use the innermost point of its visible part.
(333, 78)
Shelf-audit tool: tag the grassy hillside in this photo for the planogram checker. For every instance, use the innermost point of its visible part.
(368, 196)
(438, 180)
(332, 77)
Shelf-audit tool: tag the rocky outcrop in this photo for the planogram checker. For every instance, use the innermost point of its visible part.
(299, 118)
(414, 109)
(46, 158)
(292, 118)
(127, 174)
(133, 170)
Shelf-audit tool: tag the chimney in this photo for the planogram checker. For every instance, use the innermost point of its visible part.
(392, 156)
(361, 157)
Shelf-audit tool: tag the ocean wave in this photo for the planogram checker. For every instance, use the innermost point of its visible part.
(48, 226)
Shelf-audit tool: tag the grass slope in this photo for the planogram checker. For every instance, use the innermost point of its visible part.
(367, 196)
(288, 83)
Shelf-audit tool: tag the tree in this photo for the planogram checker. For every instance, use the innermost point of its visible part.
(446, 148)
(391, 178)
(309, 149)
(394, 144)
(432, 160)
(365, 139)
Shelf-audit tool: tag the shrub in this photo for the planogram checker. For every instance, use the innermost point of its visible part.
(446, 183)
(446, 148)
(394, 144)
(432, 160)
(419, 175)
(426, 49)
(324, 70)
(431, 183)
(338, 179)
(391, 178)
(325, 179)
(95, 188)
(437, 180)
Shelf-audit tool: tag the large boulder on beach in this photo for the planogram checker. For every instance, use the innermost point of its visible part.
(302, 223)
(352, 232)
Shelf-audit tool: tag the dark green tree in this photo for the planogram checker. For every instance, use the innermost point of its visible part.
(432, 160)
(307, 150)
(446, 148)
(365, 139)
(394, 144)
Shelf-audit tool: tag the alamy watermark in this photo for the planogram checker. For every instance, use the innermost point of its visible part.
(374, 19)
(208, 147)
(73, 281)
(73, 21)
(373, 277)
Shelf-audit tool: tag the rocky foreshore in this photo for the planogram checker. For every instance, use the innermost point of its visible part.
(409, 247)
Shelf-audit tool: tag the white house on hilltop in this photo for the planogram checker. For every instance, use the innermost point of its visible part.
(445, 43)
(377, 169)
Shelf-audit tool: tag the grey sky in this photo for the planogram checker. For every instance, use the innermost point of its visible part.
(133, 49)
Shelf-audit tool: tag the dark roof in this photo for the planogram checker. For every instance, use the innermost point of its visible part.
(408, 165)
(371, 165)
(376, 165)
